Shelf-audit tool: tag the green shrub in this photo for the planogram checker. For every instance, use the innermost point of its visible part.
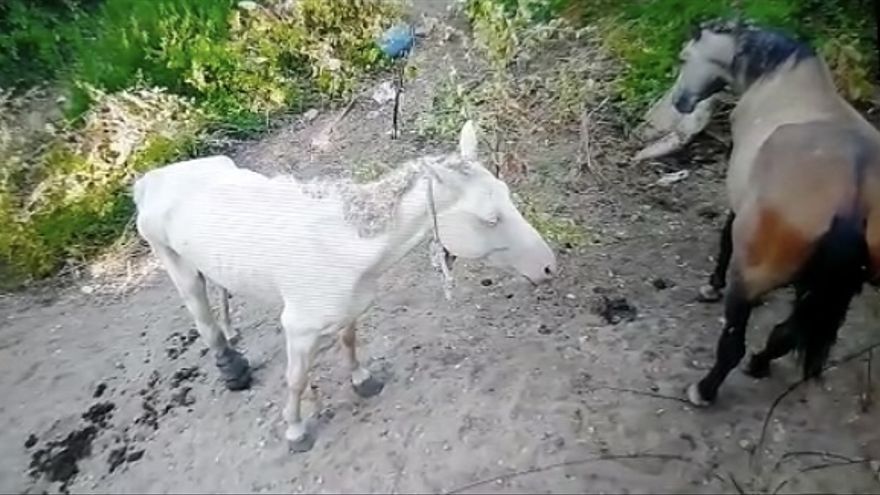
(145, 79)
(34, 40)
(648, 34)
(125, 42)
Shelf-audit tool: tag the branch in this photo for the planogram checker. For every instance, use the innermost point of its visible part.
(642, 392)
(797, 384)
(611, 457)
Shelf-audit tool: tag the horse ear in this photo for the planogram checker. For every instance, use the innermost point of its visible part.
(468, 141)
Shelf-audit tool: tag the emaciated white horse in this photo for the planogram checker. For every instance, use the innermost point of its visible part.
(318, 248)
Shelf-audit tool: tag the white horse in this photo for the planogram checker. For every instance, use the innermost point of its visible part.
(318, 248)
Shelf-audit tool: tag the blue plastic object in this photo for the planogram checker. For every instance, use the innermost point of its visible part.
(397, 41)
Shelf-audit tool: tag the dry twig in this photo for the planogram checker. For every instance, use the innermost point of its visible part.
(611, 457)
(797, 384)
(644, 393)
(817, 467)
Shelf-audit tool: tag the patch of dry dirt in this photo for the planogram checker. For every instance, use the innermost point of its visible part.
(115, 395)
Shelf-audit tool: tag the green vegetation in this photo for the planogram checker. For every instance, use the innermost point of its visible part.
(142, 83)
(520, 92)
(647, 35)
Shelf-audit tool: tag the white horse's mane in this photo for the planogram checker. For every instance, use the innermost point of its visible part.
(372, 206)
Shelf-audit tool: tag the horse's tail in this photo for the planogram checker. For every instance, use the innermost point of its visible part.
(833, 275)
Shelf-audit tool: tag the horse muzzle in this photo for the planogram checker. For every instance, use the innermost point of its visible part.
(537, 264)
(686, 102)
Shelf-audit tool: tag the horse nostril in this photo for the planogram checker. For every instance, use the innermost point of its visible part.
(548, 271)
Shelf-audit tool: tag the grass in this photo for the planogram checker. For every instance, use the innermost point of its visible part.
(557, 229)
(647, 36)
(143, 82)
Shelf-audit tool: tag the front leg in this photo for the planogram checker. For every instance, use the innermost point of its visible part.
(712, 292)
(231, 334)
(301, 343)
(363, 382)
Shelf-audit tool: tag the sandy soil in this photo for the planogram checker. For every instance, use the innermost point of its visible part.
(505, 389)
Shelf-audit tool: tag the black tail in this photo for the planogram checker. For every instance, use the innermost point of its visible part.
(833, 275)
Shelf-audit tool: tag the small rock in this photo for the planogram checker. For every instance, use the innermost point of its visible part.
(486, 282)
(87, 289)
(745, 444)
(384, 93)
(672, 178)
(310, 115)
(248, 5)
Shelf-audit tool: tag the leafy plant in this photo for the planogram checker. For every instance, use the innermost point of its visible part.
(144, 81)
(647, 35)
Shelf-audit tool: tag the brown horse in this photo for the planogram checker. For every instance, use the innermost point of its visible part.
(804, 192)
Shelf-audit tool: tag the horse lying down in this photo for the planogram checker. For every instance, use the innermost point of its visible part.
(318, 248)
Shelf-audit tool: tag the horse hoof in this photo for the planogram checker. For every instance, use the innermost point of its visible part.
(302, 444)
(368, 388)
(694, 396)
(238, 383)
(709, 294)
(757, 368)
(234, 368)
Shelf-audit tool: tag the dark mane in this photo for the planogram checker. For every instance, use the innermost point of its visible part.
(760, 51)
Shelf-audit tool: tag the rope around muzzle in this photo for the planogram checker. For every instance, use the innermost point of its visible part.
(441, 258)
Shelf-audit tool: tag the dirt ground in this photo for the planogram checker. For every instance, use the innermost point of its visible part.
(505, 389)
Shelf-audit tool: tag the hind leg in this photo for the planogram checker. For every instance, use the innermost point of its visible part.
(718, 280)
(234, 368)
(730, 350)
(826, 316)
(781, 341)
